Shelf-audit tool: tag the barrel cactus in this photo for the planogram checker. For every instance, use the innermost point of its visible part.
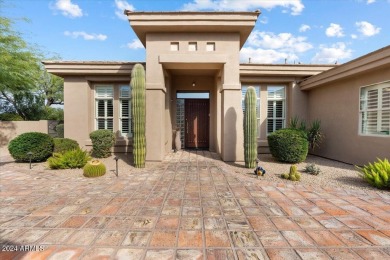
(94, 168)
(138, 113)
(250, 128)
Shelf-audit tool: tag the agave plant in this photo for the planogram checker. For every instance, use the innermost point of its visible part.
(314, 134)
(376, 174)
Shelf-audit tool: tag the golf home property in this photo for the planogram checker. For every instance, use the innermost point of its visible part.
(195, 84)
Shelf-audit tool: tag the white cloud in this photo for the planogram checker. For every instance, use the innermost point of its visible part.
(68, 8)
(282, 41)
(295, 7)
(335, 53)
(264, 20)
(121, 6)
(334, 30)
(86, 36)
(267, 47)
(135, 44)
(304, 28)
(354, 36)
(370, 1)
(367, 29)
(265, 56)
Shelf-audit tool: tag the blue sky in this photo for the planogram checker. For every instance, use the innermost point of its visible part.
(305, 31)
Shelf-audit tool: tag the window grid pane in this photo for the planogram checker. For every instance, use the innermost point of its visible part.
(104, 107)
(275, 108)
(125, 125)
(375, 109)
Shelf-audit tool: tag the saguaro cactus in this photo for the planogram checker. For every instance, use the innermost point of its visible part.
(138, 113)
(250, 128)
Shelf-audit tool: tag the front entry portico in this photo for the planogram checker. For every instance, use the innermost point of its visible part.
(183, 47)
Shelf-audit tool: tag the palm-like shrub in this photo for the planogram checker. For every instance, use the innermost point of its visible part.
(34, 145)
(376, 174)
(62, 145)
(102, 141)
(288, 145)
(69, 160)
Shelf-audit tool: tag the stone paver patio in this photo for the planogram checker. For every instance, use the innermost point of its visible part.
(188, 207)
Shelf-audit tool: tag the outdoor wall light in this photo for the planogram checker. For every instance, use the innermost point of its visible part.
(30, 154)
(193, 84)
(116, 164)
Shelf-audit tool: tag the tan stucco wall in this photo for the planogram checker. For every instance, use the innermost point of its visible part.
(77, 111)
(337, 106)
(183, 67)
(11, 129)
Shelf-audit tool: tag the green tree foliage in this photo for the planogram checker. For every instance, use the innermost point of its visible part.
(25, 86)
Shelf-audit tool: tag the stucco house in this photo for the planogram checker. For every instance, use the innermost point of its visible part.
(195, 83)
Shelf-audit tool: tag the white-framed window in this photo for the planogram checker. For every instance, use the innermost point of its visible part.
(104, 108)
(375, 109)
(243, 92)
(276, 108)
(125, 126)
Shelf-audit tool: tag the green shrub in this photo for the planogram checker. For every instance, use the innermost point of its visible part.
(102, 141)
(314, 133)
(69, 160)
(288, 145)
(377, 174)
(60, 130)
(62, 145)
(293, 175)
(312, 169)
(39, 144)
(94, 168)
(10, 117)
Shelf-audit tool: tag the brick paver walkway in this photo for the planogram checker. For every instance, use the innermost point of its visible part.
(188, 207)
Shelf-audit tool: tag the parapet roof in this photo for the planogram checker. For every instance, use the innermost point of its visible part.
(187, 22)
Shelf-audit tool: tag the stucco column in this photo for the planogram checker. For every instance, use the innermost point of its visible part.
(155, 124)
(232, 128)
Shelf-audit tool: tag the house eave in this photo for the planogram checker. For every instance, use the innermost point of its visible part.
(374, 60)
(89, 68)
(285, 70)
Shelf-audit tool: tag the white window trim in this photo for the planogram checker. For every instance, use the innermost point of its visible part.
(372, 86)
(121, 98)
(273, 118)
(105, 99)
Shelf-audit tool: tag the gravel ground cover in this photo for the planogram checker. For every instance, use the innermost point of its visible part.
(333, 174)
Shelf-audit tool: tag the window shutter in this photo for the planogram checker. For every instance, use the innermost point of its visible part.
(104, 92)
(386, 98)
(125, 92)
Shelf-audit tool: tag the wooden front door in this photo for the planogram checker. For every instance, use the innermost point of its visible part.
(196, 123)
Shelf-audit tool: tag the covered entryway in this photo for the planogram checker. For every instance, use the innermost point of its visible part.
(197, 123)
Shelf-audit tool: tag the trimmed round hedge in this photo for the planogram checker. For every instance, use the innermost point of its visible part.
(62, 145)
(39, 144)
(288, 145)
(102, 141)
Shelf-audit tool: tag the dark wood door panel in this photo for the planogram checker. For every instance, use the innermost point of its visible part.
(197, 123)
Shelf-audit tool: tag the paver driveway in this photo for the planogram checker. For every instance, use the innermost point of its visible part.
(191, 206)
